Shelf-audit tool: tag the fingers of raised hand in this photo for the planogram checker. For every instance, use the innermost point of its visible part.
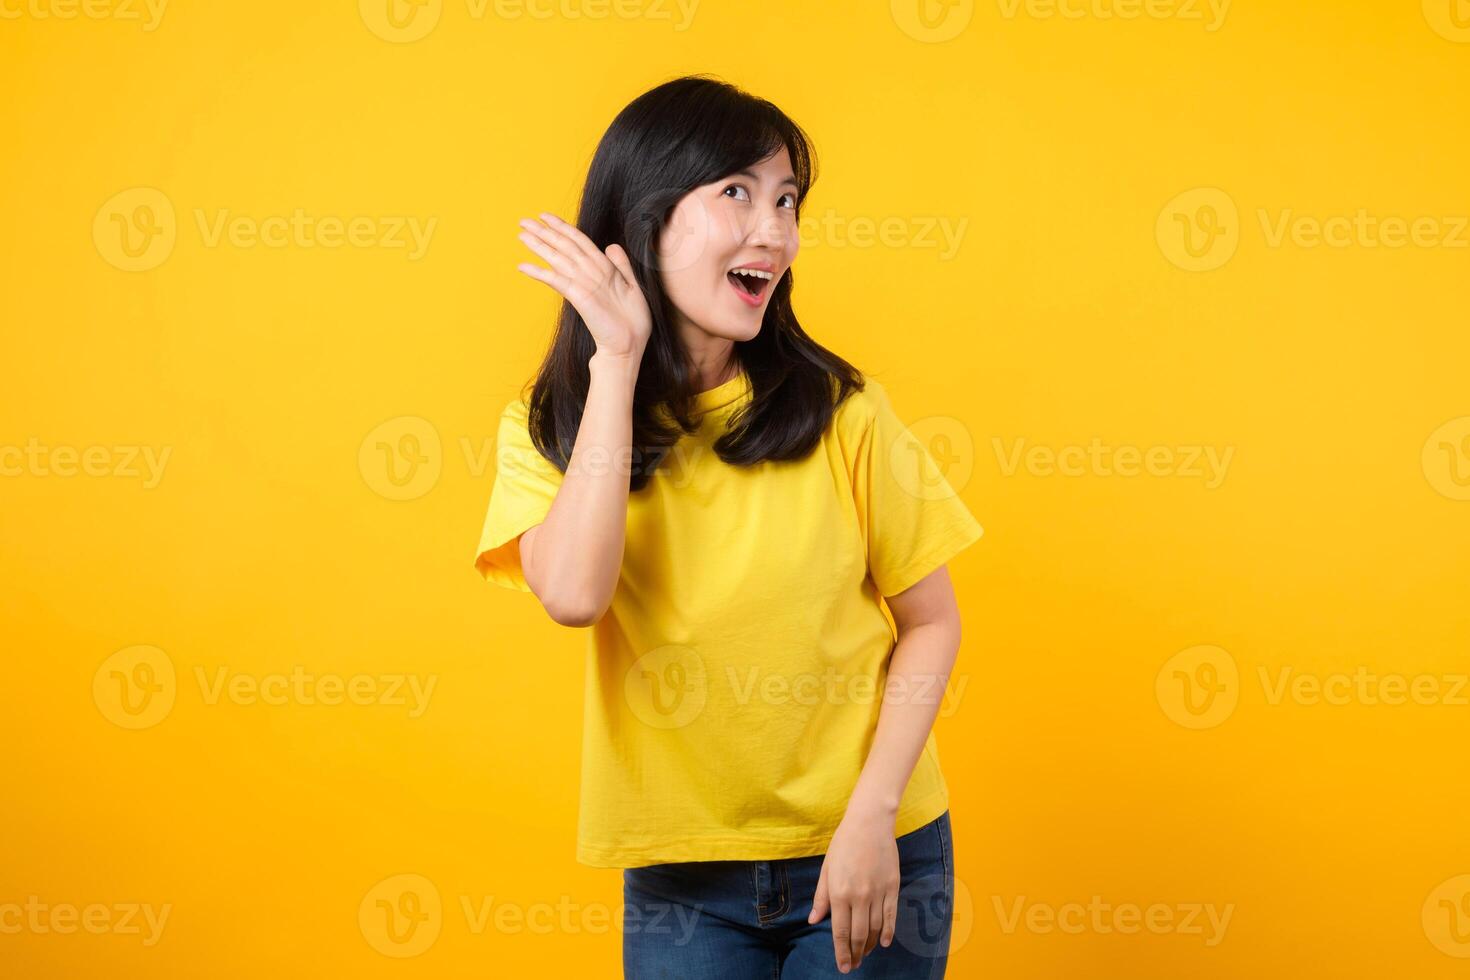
(574, 237)
(558, 253)
(619, 258)
(569, 243)
(555, 280)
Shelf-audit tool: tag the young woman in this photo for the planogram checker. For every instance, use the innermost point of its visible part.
(730, 506)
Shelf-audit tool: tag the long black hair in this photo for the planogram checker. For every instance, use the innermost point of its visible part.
(683, 134)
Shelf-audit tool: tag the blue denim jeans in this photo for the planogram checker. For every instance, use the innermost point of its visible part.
(746, 920)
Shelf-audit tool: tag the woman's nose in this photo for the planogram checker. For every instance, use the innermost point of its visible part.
(770, 228)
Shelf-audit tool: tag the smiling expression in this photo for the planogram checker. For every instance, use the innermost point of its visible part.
(726, 246)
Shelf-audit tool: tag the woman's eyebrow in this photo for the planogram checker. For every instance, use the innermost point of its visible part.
(788, 179)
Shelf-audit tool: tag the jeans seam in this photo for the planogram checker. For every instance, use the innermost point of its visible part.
(946, 862)
(944, 859)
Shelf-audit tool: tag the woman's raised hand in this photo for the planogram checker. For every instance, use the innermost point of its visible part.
(601, 287)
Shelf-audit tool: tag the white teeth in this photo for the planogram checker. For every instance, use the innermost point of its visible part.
(752, 272)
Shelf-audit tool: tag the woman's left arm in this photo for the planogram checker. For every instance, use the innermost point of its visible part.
(860, 875)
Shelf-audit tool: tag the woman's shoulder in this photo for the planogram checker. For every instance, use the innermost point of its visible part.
(514, 425)
(856, 411)
(517, 408)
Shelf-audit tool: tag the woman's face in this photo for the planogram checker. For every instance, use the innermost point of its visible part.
(744, 221)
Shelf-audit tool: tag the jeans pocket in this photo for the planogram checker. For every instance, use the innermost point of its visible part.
(926, 895)
(927, 846)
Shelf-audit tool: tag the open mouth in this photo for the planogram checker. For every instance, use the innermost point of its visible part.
(750, 284)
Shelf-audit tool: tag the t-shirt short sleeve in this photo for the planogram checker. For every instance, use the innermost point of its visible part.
(525, 486)
(915, 521)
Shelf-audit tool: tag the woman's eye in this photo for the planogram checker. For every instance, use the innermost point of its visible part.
(739, 193)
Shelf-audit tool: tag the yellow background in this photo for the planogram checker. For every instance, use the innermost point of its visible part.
(1335, 542)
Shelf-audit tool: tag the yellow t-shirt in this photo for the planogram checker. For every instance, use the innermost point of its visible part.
(734, 684)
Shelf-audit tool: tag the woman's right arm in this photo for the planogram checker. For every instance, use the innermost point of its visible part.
(572, 559)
